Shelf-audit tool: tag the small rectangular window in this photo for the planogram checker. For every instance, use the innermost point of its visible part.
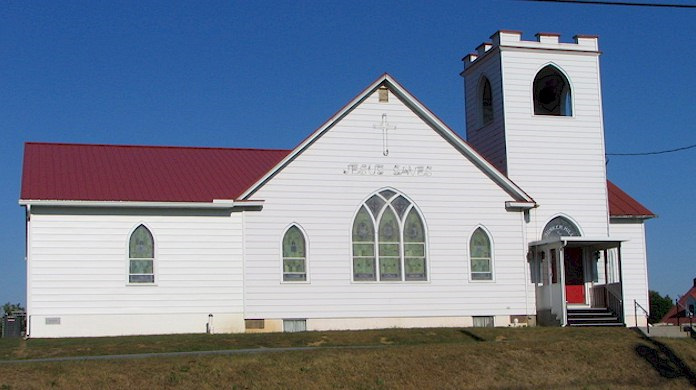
(255, 324)
(383, 94)
(294, 325)
(483, 321)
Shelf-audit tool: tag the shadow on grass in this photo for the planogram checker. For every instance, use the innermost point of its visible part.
(665, 361)
(471, 334)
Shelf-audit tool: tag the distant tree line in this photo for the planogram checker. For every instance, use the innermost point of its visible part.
(10, 308)
(659, 306)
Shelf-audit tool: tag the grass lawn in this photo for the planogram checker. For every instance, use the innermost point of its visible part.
(478, 358)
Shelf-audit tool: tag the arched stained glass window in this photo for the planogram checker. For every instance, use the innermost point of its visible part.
(364, 246)
(552, 94)
(141, 254)
(388, 235)
(294, 255)
(480, 254)
(389, 246)
(414, 247)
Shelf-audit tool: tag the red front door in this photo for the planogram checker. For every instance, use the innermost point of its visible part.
(574, 275)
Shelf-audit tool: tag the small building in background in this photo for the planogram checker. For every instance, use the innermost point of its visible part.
(683, 311)
(13, 325)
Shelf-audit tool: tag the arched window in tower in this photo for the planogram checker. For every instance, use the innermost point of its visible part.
(294, 255)
(389, 240)
(141, 256)
(552, 95)
(486, 102)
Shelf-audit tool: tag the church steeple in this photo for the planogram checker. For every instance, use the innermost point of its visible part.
(538, 118)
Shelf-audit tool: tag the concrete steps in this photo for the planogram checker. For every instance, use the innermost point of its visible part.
(592, 316)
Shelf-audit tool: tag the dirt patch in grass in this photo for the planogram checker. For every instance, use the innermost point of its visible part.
(547, 358)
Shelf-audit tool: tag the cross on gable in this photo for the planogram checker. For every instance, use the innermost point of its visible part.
(384, 126)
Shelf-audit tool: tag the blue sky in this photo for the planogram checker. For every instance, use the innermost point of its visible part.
(266, 74)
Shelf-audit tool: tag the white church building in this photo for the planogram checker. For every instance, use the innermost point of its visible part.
(383, 217)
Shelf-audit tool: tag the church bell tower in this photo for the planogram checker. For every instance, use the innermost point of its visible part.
(534, 110)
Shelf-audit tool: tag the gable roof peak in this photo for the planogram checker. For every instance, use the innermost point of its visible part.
(424, 113)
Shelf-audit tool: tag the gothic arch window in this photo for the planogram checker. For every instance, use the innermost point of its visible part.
(389, 240)
(560, 227)
(141, 256)
(552, 95)
(481, 255)
(486, 101)
(294, 255)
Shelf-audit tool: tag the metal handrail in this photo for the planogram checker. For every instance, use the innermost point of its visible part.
(615, 304)
(637, 305)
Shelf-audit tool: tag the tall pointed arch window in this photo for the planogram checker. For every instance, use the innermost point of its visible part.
(481, 255)
(141, 254)
(389, 239)
(294, 255)
(552, 95)
(486, 99)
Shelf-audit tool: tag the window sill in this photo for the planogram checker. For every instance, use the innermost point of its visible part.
(553, 116)
(385, 282)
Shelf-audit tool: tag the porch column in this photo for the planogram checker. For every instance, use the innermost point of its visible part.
(561, 281)
(606, 275)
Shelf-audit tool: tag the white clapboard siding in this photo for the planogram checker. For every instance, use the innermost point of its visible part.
(313, 192)
(558, 160)
(78, 271)
(488, 140)
(634, 267)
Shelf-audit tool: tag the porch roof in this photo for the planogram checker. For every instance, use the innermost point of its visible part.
(596, 243)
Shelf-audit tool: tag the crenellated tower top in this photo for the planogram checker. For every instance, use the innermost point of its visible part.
(550, 41)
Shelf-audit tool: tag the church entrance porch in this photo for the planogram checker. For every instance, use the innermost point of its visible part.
(576, 275)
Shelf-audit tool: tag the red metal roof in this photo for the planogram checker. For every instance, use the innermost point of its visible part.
(141, 173)
(54, 171)
(622, 205)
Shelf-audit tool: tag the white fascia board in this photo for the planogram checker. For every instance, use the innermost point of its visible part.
(424, 113)
(215, 204)
(564, 241)
(639, 218)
